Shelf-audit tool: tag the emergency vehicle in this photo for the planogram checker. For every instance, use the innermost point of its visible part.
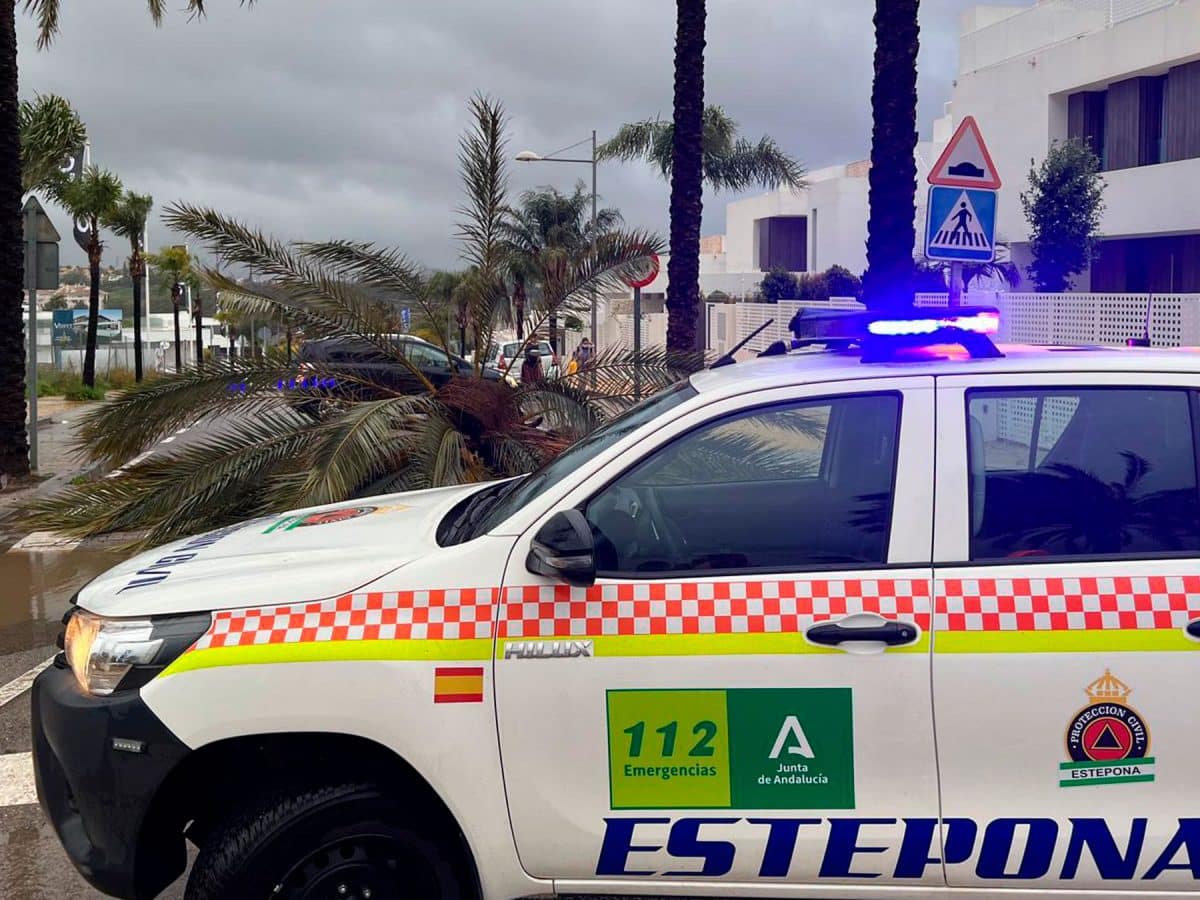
(907, 615)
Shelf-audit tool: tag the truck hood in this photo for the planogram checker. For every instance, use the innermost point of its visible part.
(308, 554)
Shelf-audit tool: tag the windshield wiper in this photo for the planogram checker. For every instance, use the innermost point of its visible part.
(478, 506)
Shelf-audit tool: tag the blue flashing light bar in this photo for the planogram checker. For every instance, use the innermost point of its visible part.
(891, 336)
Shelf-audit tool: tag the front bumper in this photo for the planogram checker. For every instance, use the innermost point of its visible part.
(97, 796)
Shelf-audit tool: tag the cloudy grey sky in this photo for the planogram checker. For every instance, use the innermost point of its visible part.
(317, 119)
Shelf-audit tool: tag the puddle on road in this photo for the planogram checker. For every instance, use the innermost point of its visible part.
(36, 587)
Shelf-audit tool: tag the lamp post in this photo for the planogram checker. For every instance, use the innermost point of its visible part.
(531, 156)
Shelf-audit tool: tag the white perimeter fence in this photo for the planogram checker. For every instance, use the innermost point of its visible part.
(1053, 319)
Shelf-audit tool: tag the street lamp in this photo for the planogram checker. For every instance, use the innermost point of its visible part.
(531, 156)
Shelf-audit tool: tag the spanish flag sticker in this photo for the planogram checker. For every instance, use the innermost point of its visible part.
(458, 684)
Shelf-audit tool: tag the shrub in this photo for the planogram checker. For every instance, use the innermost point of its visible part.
(814, 287)
(841, 282)
(779, 284)
(82, 392)
(120, 379)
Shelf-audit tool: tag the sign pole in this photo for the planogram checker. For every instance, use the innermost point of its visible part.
(956, 285)
(637, 343)
(31, 274)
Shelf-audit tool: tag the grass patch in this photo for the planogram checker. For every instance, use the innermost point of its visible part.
(69, 384)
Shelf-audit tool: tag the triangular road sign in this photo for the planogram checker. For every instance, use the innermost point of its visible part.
(960, 228)
(965, 162)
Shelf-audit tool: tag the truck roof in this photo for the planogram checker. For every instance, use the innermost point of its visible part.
(846, 365)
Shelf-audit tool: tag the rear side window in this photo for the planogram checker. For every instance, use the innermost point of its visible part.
(1082, 472)
(775, 489)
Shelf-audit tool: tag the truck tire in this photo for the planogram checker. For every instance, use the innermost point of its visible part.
(312, 843)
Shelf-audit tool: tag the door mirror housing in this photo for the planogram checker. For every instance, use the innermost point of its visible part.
(563, 549)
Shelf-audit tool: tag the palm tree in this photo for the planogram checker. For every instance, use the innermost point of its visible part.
(731, 163)
(92, 200)
(14, 451)
(48, 130)
(51, 132)
(547, 221)
(274, 458)
(446, 291)
(893, 177)
(687, 178)
(176, 263)
(128, 220)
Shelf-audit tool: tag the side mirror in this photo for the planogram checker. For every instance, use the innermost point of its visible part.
(563, 549)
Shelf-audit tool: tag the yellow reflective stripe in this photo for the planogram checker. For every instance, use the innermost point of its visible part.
(324, 651)
(1096, 641)
(700, 644)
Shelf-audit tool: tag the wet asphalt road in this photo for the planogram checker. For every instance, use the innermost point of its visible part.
(35, 590)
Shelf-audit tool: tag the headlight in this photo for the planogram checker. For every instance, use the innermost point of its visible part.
(108, 653)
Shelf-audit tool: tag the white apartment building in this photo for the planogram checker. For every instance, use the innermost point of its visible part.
(1122, 74)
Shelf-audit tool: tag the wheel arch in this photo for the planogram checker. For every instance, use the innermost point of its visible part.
(202, 788)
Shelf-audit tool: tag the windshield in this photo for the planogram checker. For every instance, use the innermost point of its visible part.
(580, 452)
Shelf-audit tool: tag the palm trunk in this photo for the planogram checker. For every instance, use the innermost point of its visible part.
(519, 306)
(687, 178)
(14, 444)
(198, 312)
(89, 353)
(178, 341)
(137, 269)
(893, 177)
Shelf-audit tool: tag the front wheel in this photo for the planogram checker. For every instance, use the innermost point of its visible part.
(342, 842)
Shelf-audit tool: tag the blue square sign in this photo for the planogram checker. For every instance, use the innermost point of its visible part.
(960, 224)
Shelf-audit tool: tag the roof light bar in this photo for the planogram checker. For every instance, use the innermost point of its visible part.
(895, 335)
(977, 322)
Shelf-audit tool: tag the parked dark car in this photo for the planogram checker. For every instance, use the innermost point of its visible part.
(357, 358)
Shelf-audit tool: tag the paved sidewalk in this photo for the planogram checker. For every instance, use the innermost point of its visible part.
(57, 463)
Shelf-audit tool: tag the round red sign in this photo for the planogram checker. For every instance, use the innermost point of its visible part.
(646, 273)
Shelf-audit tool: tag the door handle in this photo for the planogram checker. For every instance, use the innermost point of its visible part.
(1193, 629)
(863, 628)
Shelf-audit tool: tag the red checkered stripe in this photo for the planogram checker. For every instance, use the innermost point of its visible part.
(443, 614)
(718, 607)
(1066, 604)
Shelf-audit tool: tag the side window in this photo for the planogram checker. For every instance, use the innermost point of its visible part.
(1082, 472)
(424, 355)
(779, 488)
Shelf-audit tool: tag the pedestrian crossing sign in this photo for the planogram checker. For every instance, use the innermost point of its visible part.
(960, 224)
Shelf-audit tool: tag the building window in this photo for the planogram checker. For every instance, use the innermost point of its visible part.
(1181, 113)
(1085, 119)
(781, 242)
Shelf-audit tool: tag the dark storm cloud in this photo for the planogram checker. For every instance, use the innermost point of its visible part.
(313, 118)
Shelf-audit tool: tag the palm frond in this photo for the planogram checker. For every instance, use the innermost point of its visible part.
(50, 132)
(640, 140)
(482, 163)
(609, 379)
(46, 13)
(211, 482)
(750, 165)
(367, 441)
(128, 219)
(144, 414)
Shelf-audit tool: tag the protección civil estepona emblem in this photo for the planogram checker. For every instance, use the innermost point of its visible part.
(1108, 741)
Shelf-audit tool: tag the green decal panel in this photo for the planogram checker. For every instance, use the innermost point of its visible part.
(668, 749)
(792, 748)
(742, 748)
